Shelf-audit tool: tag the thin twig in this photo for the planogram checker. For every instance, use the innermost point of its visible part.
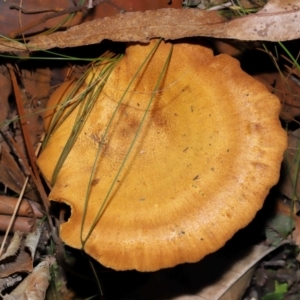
(14, 215)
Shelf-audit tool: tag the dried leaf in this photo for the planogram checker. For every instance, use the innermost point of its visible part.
(113, 7)
(232, 285)
(21, 263)
(37, 85)
(34, 286)
(9, 282)
(13, 247)
(12, 19)
(5, 88)
(230, 278)
(35, 13)
(10, 173)
(35, 95)
(32, 240)
(290, 183)
(22, 224)
(286, 88)
(21, 260)
(174, 24)
(132, 26)
(296, 232)
(277, 21)
(27, 208)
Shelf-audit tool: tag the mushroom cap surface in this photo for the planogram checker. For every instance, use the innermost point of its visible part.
(205, 158)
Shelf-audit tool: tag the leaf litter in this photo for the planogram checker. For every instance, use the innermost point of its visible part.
(277, 21)
(18, 259)
(134, 27)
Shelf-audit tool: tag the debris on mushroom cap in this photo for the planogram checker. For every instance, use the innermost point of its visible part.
(205, 158)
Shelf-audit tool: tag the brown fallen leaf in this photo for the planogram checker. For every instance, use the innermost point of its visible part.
(9, 281)
(275, 22)
(36, 84)
(22, 224)
(22, 262)
(291, 67)
(290, 183)
(27, 208)
(286, 89)
(296, 233)
(34, 98)
(34, 286)
(11, 175)
(38, 16)
(31, 241)
(113, 7)
(12, 19)
(5, 87)
(20, 253)
(13, 246)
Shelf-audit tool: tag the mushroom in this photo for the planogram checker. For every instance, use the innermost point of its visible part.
(200, 165)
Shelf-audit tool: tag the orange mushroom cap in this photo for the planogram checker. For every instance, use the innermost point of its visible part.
(206, 156)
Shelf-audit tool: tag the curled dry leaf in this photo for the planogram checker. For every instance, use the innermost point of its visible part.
(32, 240)
(22, 262)
(9, 281)
(37, 16)
(21, 253)
(228, 278)
(276, 22)
(13, 247)
(27, 208)
(22, 224)
(34, 286)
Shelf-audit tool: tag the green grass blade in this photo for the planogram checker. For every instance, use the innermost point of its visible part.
(86, 103)
(57, 56)
(289, 54)
(104, 203)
